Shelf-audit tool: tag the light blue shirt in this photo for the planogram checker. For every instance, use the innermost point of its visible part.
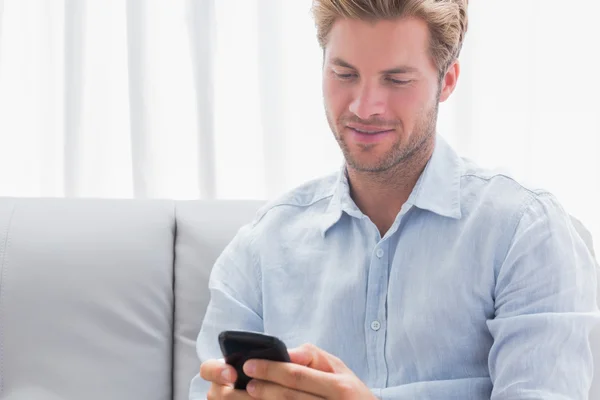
(480, 289)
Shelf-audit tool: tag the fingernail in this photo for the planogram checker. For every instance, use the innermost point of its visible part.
(250, 367)
(251, 387)
(226, 374)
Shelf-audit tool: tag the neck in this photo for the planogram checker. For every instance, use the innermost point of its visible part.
(381, 195)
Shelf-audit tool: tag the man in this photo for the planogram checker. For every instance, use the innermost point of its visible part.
(412, 273)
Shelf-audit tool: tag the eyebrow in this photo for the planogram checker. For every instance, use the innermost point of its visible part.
(404, 69)
(341, 63)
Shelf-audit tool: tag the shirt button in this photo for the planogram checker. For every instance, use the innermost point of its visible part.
(375, 325)
(379, 253)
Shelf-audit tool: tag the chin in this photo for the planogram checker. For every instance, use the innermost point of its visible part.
(362, 165)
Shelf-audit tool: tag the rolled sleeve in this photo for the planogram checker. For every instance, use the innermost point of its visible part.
(545, 309)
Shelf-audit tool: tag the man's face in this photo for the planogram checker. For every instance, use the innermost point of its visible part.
(381, 90)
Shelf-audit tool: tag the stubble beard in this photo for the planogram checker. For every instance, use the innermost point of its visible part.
(402, 154)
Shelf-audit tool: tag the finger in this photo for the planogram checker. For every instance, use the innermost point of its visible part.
(292, 376)
(221, 392)
(313, 357)
(310, 356)
(272, 391)
(302, 355)
(218, 372)
(337, 364)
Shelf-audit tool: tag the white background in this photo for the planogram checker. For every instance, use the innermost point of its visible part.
(222, 99)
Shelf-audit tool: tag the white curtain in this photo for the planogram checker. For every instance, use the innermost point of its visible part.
(221, 98)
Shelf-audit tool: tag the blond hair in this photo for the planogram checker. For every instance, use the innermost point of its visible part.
(447, 21)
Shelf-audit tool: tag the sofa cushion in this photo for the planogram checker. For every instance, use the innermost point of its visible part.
(204, 228)
(86, 299)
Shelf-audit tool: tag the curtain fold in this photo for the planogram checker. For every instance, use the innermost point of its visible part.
(271, 83)
(202, 30)
(1, 25)
(138, 108)
(222, 99)
(74, 39)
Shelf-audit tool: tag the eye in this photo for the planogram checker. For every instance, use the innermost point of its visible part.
(398, 81)
(345, 76)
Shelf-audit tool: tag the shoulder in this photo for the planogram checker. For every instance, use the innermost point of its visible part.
(521, 209)
(501, 193)
(509, 208)
(297, 210)
(283, 220)
(523, 220)
(308, 198)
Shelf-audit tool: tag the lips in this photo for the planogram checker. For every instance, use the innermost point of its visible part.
(368, 136)
(369, 130)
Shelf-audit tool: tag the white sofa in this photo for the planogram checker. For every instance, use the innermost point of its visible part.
(103, 299)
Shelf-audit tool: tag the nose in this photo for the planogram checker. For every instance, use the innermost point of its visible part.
(368, 102)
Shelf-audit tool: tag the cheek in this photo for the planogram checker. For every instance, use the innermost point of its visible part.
(404, 101)
(407, 106)
(336, 97)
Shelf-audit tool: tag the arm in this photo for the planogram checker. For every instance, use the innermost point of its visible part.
(235, 302)
(545, 309)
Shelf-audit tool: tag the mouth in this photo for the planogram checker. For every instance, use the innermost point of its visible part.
(364, 135)
(364, 130)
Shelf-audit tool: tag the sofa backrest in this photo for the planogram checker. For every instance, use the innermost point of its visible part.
(86, 299)
(103, 299)
(204, 228)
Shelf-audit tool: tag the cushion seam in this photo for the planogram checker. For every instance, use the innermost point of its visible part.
(3, 274)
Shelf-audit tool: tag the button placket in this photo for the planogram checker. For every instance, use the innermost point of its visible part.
(375, 323)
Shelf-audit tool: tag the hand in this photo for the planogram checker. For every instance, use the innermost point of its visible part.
(222, 377)
(312, 374)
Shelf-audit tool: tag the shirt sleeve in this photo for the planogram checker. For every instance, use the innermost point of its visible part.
(545, 309)
(235, 302)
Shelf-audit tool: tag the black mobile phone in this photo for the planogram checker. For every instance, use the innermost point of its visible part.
(239, 346)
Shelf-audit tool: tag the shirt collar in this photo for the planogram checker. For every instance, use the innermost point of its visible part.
(437, 189)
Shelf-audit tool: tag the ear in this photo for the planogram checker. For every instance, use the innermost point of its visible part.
(449, 81)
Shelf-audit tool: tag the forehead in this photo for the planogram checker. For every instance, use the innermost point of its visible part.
(382, 43)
